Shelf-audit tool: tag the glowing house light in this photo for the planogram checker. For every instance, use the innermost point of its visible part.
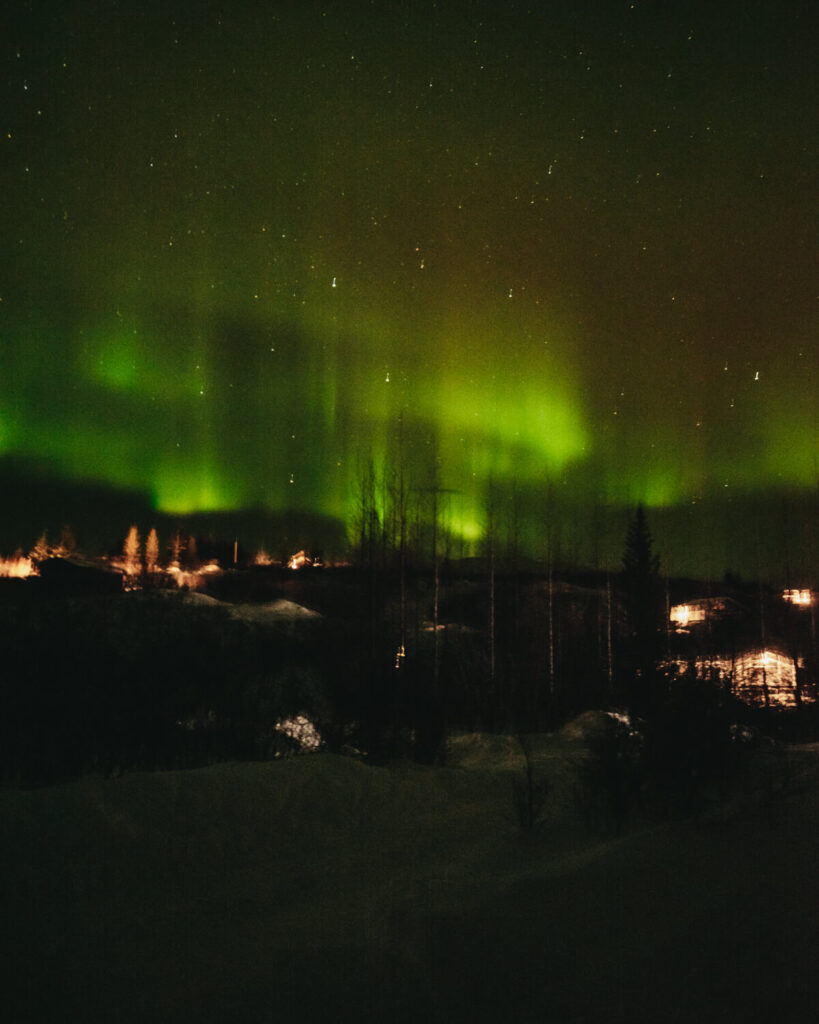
(684, 615)
(262, 558)
(799, 597)
(757, 676)
(18, 567)
(299, 560)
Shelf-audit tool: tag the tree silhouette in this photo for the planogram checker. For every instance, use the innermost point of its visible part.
(639, 560)
(643, 605)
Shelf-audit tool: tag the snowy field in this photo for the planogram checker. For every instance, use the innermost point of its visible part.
(319, 888)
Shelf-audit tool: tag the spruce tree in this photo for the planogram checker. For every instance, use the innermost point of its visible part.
(152, 551)
(130, 552)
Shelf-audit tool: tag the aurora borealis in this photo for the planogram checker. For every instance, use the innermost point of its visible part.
(247, 248)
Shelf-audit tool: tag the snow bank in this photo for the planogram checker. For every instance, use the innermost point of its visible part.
(273, 612)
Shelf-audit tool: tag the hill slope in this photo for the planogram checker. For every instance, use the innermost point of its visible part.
(320, 888)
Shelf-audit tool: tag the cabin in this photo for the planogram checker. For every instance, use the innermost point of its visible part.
(702, 611)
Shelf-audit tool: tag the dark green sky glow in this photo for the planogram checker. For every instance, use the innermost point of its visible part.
(575, 244)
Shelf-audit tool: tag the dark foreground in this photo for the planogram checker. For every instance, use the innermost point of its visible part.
(319, 888)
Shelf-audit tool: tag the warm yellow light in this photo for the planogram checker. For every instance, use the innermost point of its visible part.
(683, 615)
(18, 567)
(262, 558)
(754, 672)
(299, 560)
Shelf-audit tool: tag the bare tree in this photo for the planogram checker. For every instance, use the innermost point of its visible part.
(177, 547)
(67, 545)
(644, 605)
(41, 550)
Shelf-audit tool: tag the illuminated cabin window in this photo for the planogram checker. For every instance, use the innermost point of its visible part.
(799, 597)
(700, 610)
(685, 615)
(299, 561)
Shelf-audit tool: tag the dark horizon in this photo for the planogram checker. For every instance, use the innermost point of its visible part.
(769, 537)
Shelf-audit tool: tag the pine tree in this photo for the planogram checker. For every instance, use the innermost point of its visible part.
(151, 551)
(639, 561)
(67, 545)
(130, 551)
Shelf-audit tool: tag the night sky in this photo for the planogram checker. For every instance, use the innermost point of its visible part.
(246, 248)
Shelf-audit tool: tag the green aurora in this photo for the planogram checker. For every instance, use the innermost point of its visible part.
(250, 254)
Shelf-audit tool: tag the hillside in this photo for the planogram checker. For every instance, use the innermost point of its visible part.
(320, 888)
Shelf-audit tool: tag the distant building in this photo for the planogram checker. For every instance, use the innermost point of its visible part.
(766, 676)
(299, 560)
(761, 676)
(702, 610)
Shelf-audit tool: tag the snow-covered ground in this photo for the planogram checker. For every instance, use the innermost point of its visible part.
(273, 612)
(270, 613)
(319, 888)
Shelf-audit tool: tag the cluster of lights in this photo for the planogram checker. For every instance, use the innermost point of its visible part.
(753, 673)
(130, 565)
(301, 560)
(193, 579)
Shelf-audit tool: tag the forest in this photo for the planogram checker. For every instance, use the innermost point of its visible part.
(409, 785)
(158, 658)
